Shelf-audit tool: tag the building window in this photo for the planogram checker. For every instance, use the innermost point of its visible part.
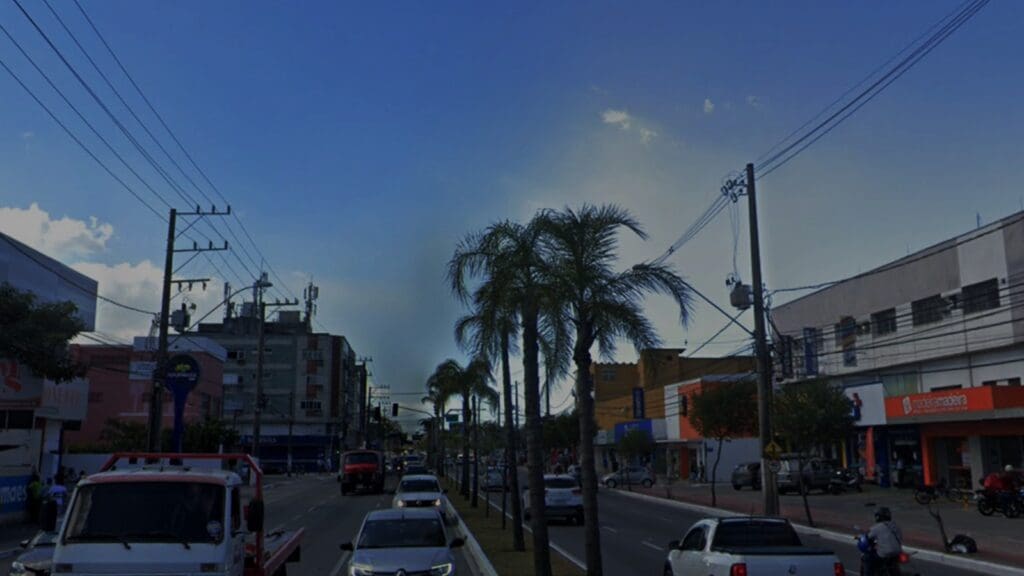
(608, 374)
(981, 296)
(990, 383)
(1013, 382)
(846, 340)
(929, 310)
(18, 419)
(944, 388)
(883, 322)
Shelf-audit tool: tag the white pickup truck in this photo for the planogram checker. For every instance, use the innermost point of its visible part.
(747, 546)
(148, 514)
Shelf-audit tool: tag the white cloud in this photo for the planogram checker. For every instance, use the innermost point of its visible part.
(709, 106)
(754, 101)
(618, 118)
(60, 238)
(646, 135)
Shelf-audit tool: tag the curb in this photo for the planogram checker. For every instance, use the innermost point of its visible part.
(474, 553)
(565, 553)
(953, 560)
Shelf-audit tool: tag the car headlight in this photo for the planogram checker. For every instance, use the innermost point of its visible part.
(401, 503)
(441, 569)
(437, 502)
(17, 569)
(360, 570)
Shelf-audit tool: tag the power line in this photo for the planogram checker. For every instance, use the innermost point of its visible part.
(717, 334)
(17, 246)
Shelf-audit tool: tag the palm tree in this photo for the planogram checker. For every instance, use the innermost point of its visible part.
(465, 382)
(440, 389)
(510, 255)
(602, 306)
(491, 331)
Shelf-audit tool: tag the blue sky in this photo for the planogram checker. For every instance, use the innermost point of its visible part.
(359, 141)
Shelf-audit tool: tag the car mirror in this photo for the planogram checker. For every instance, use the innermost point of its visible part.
(23, 544)
(456, 543)
(673, 545)
(347, 546)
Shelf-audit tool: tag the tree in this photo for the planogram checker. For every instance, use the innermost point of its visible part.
(809, 415)
(37, 334)
(440, 389)
(123, 435)
(602, 306)
(511, 255)
(562, 431)
(633, 445)
(721, 411)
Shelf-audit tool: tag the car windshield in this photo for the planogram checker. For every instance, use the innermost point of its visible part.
(361, 458)
(148, 511)
(749, 534)
(419, 486)
(559, 483)
(407, 533)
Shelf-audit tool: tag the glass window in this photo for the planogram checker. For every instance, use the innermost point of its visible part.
(236, 510)
(695, 540)
(981, 296)
(419, 486)
(929, 310)
(754, 533)
(559, 483)
(883, 322)
(408, 533)
(361, 458)
(147, 512)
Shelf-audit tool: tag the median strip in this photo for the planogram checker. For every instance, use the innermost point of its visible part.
(496, 543)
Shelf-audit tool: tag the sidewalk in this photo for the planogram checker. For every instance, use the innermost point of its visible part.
(1000, 539)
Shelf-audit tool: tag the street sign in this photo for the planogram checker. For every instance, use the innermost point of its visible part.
(774, 466)
(772, 451)
(181, 377)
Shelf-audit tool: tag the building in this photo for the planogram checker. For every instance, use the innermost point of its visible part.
(630, 396)
(33, 411)
(121, 385)
(686, 451)
(930, 350)
(312, 400)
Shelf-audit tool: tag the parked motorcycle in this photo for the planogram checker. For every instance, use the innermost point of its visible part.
(844, 480)
(1009, 504)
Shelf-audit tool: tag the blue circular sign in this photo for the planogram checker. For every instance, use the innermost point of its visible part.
(182, 373)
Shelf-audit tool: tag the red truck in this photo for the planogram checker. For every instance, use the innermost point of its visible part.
(362, 468)
(147, 513)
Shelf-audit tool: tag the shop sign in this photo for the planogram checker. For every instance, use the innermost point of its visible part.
(13, 493)
(638, 404)
(66, 401)
(623, 428)
(18, 386)
(940, 403)
(867, 404)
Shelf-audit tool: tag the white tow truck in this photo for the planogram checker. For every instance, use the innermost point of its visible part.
(149, 514)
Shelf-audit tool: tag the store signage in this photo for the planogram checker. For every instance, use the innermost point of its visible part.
(867, 404)
(623, 428)
(945, 402)
(65, 401)
(13, 493)
(18, 386)
(638, 404)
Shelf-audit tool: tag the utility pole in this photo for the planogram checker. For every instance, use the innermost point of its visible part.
(261, 401)
(517, 406)
(156, 403)
(291, 425)
(764, 362)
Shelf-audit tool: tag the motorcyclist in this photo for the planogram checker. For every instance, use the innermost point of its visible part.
(888, 540)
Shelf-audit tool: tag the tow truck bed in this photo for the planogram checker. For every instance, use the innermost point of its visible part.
(279, 548)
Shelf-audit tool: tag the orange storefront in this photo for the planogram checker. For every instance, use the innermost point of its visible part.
(965, 432)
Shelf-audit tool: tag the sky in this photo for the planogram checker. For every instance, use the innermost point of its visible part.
(358, 142)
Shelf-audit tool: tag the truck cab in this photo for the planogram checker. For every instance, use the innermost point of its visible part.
(362, 468)
(165, 519)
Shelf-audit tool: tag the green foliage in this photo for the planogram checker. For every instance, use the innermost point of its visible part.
(562, 431)
(634, 444)
(725, 410)
(811, 414)
(123, 436)
(37, 334)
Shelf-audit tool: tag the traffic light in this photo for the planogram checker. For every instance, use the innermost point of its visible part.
(394, 410)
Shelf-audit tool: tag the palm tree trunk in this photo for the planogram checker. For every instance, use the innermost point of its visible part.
(511, 452)
(588, 470)
(464, 475)
(476, 452)
(535, 442)
(714, 473)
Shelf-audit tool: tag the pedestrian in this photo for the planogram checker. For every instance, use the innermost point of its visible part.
(35, 497)
(57, 492)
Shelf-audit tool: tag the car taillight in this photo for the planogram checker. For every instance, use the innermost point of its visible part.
(838, 570)
(904, 557)
(738, 570)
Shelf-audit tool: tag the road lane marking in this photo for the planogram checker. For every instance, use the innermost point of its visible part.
(565, 553)
(610, 529)
(653, 546)
(336, 571)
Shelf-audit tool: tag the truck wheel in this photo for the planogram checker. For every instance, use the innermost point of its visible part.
(647, 483)
(611, 484)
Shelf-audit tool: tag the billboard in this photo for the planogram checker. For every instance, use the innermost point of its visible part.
(19, 387)
(66, 401)
(867, 404)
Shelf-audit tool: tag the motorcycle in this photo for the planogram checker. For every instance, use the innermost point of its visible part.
(845, 479)
(872, 565)
(1009, 504)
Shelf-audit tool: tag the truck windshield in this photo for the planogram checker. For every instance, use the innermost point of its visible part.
(147, 512)
(754, 534)
(365, 458)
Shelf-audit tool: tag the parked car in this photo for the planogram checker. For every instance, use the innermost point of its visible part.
(494, 480)
(715, 547)
(562, 499)
(747, 474)
(574, 471)
(402, 541)
(637, 475)
(37, 558)
(816, 475)
(421, 491)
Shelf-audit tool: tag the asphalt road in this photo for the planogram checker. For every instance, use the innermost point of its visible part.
(635, 534)
(315, 503)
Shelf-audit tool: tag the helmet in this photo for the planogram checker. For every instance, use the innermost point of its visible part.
(883, 514)
(1008, 468)
(863, 543)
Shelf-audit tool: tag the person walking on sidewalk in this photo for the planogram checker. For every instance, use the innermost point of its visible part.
(35, 498)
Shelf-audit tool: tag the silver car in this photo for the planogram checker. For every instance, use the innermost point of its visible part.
(405, 540)
(421, 491)
(632, 475)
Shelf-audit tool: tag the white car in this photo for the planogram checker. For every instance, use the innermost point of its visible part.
(421, 491)
(562, 499)
(742, 545)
